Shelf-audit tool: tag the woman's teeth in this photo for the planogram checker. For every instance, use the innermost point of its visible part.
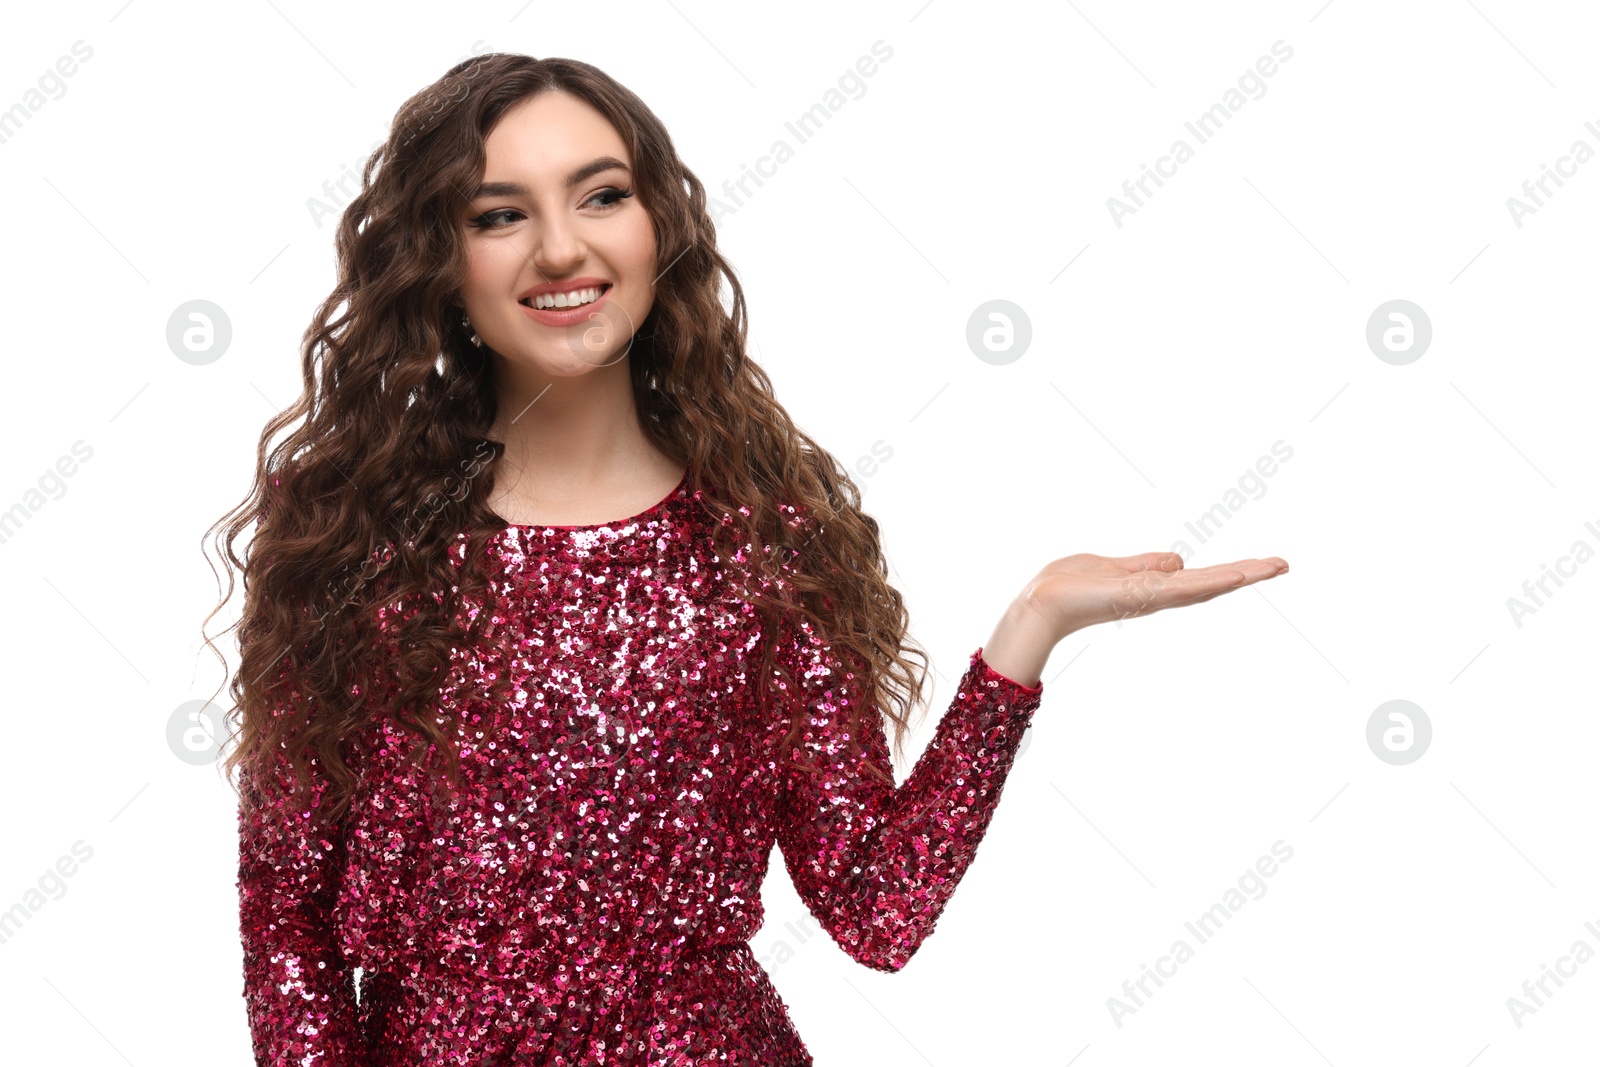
(573, 299)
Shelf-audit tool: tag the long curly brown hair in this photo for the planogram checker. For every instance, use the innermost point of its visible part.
(357, 508)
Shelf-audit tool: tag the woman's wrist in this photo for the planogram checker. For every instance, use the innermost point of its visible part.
(1020, 645)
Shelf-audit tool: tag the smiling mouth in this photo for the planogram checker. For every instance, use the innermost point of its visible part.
(573, 299)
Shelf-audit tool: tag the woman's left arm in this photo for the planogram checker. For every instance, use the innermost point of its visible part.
(874, 863)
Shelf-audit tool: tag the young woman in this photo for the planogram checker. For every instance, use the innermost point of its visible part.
(523, 761)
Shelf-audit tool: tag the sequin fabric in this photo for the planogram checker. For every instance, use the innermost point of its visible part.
(590, 896)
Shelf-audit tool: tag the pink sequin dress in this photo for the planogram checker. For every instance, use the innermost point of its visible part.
(591, 896)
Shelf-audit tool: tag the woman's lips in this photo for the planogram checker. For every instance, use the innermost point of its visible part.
(567, 316)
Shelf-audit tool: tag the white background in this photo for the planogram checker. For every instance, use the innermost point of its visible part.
(1228, 313)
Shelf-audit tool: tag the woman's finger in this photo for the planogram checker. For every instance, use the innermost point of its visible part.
(1153, 592)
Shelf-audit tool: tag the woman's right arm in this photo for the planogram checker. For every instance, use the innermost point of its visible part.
(299, 993)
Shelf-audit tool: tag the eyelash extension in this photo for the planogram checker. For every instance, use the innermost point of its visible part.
(481, 222)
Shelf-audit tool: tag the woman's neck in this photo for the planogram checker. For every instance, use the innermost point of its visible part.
(576, 452)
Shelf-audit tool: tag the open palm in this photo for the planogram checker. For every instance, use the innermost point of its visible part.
(1081, 590)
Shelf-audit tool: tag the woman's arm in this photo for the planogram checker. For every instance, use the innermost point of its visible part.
(874, 863)
(298, 990)
(877, 864)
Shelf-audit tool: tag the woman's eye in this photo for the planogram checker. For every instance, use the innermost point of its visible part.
(612, 196)
(482, 221)
(605, 198)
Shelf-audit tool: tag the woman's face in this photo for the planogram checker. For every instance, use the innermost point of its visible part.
(553, 215)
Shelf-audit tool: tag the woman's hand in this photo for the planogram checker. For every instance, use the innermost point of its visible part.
(1078, 591)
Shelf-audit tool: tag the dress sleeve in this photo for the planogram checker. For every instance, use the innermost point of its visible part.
(874, 863)
(299, 993)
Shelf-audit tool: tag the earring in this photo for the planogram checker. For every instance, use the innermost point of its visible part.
(465, 321)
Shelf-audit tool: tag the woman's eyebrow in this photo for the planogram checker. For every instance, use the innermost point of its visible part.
(582, 174)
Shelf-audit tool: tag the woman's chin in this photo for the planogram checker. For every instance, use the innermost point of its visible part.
(573, 362)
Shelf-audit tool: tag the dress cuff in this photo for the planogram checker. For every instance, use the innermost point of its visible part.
(990, 673)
